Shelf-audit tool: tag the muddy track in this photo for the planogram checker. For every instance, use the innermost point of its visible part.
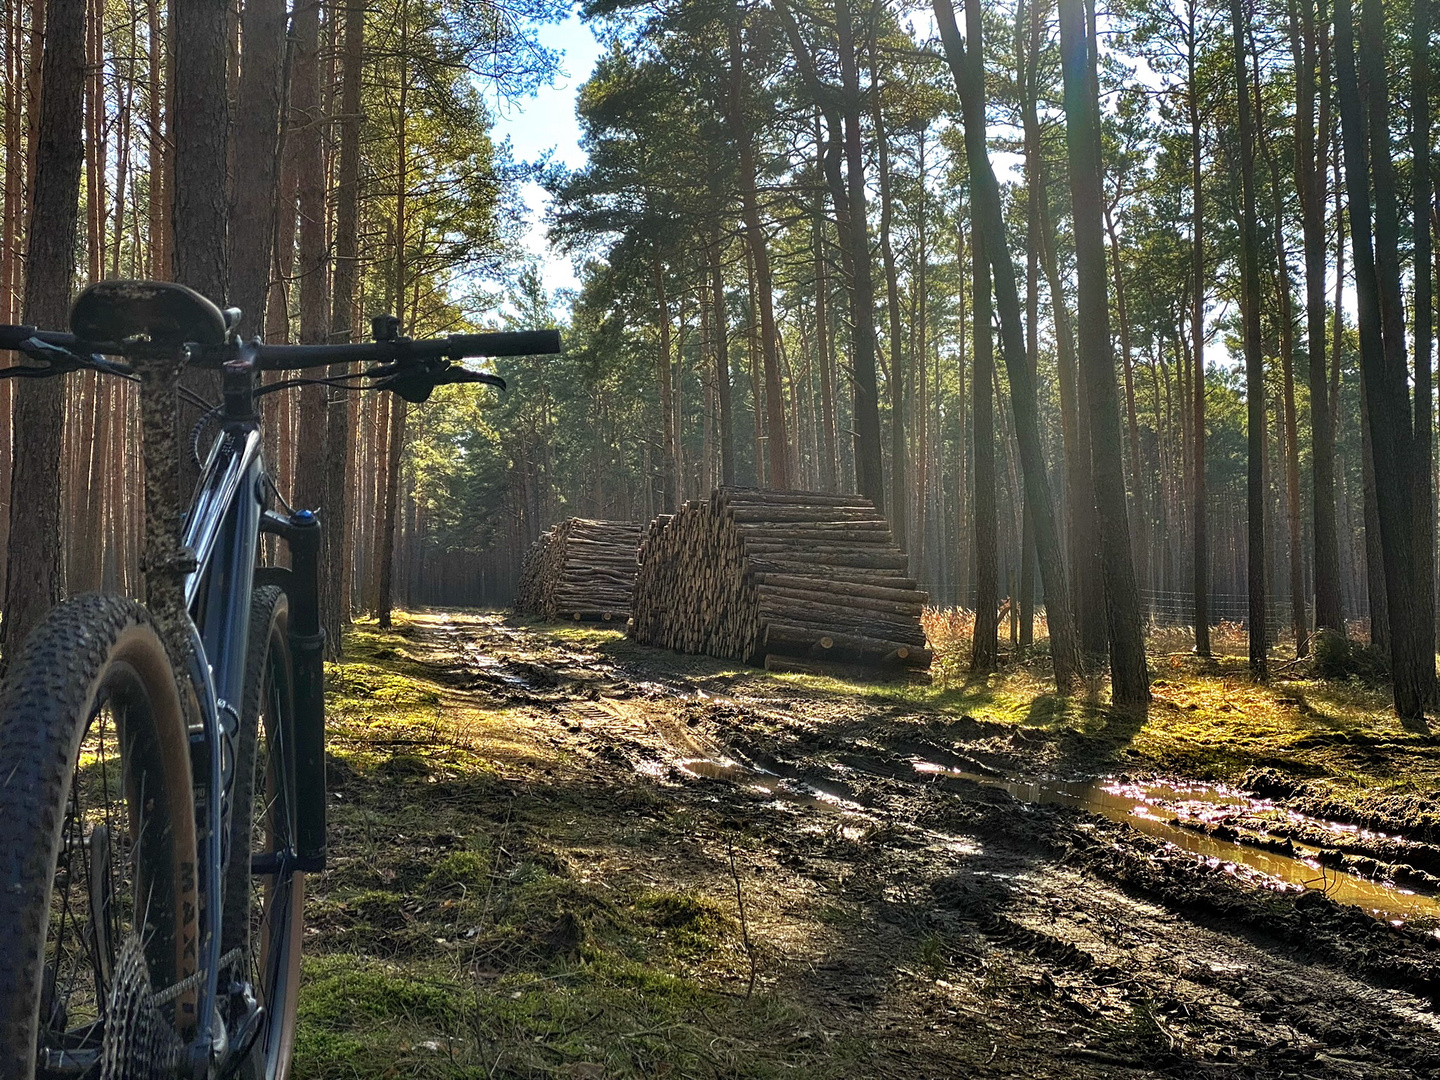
(967, 931)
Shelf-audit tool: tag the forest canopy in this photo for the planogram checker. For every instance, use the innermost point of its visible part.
(1081, 296)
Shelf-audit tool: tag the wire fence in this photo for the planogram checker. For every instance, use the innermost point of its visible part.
(1160, 607)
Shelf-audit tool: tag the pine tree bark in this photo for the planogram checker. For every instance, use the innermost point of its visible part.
(157, 149)
(869, 466)
(1374, 552)
(721, 332)
(1381, 345)
(968, 74)
(985, 644)
(1129, 679)
(824, 344)
(34, 573)
(1141, 539)
(899, 512)
(1087, 591)
(1310, 155)
(1254, 351)
(199, 124)
(777, 438)
(663, 384)
(305, 129)
(257, 154)
(1423, 300)
(339, 438)
(1199, 512)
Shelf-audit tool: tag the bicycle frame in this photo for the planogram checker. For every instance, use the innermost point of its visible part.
(217, 567)
(222, 529)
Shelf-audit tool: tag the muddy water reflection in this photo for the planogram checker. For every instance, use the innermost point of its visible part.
(1152, 808)
(767, 783)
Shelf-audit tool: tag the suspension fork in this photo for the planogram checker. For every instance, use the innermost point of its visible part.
(301, 532)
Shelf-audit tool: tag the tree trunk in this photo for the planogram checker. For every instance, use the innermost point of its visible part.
(1087, 593)
(1309, 182)
(1199, 506)
(824, 347)
(34, 574)
(157, 156)
(1423, 300)
(962, 465)
(199, 121)
(1254, 352)
(1388, 406)
(721, 323)
(664, 383)
(776, 435)
(1374, 552)
(757, 396)
(869, 467)
(1129, 679)
(257, 149)
(339, 442)
(898, 483)
(305, 129)
(969, 82)
(1287, 414)
(985, 645)
(1127, 367)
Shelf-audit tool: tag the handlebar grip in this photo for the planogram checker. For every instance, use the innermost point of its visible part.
(11, 337)
(504, 343)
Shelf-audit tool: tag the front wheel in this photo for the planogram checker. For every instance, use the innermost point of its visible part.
(264, 893)
(98, 900)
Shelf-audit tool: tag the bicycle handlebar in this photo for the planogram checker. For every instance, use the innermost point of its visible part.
(294, 357)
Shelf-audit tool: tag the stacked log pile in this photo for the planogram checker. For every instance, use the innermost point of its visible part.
(580, 569)
(750, 574)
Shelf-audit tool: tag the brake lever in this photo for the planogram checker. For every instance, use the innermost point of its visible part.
(413, 386)
(417, 385)
(59, 360)
(465, 375)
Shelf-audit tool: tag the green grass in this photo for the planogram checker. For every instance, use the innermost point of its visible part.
(459, 932)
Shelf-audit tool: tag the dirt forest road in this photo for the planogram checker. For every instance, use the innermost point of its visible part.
(877, 904)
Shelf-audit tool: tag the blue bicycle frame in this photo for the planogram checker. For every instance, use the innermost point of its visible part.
(222, 529)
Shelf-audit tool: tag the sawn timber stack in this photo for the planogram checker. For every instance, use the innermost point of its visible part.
(750, 573)
(580, 569)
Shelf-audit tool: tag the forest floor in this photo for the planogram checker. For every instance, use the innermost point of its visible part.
(559, 854)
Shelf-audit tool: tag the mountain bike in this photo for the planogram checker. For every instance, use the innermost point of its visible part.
(162, 769)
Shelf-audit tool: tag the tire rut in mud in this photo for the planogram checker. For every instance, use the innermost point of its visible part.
(1080, 945)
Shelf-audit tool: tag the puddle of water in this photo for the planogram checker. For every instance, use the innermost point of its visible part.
(767, 783)
(1151, 808)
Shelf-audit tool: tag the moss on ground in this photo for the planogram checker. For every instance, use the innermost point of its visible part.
(459, 932)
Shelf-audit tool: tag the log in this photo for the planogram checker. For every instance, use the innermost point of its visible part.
(718, 575)
(851, 648)
(581, 569)
(840, 586)
(771, 594)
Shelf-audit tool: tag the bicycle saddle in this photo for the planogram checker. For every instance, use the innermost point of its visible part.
(161, 312)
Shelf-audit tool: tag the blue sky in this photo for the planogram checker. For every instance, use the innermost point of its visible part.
(546, 122)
